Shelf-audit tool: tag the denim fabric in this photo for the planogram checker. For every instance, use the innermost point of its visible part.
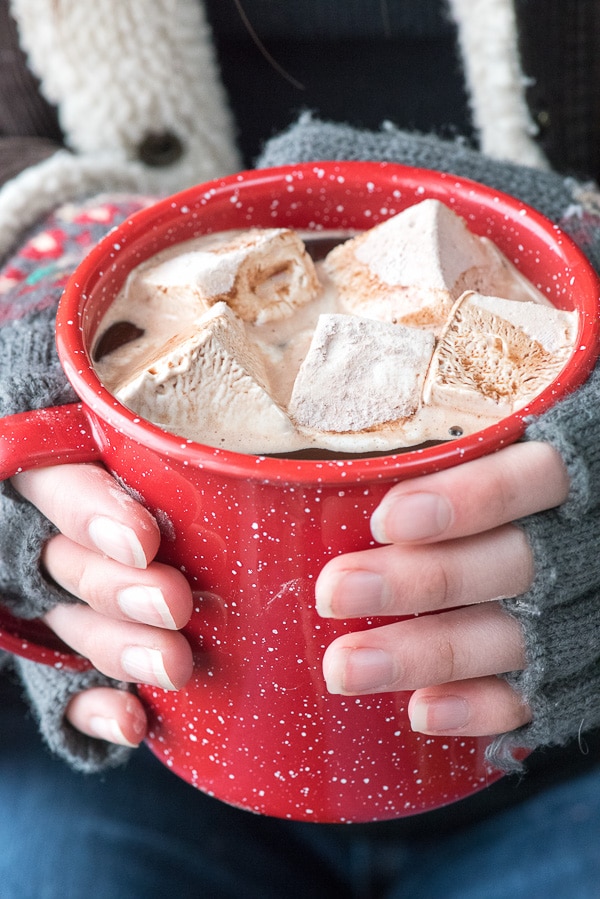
(140, 833)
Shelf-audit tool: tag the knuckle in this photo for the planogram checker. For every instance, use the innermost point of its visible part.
(497, 498)
(502, 493)
(441, 580)
(446, 660)
(429, 654)
(437, 581)
(92, 589)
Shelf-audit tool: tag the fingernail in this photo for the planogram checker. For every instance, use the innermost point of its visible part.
(109, 729)
(117, 541)
(146, 666)
(439, 716)
(358, 670)
(414, 516)
(137, 719)
(356, 593)
(146, 604)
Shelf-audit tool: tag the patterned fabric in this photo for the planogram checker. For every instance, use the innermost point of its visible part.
(34, 278)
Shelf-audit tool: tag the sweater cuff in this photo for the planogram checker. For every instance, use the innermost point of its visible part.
(311, 140)
(31, 376)
(38, 384)
(572, 427)
(565, 559)
(564, 710)
(561, 629)
(562, 641)
(49, 691)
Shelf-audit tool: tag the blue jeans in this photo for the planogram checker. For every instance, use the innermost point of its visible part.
(141, 833)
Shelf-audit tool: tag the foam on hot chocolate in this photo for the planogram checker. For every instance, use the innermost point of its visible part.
(413, 331)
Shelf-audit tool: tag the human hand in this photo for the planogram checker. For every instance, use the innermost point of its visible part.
(132, 607)
(449, 548)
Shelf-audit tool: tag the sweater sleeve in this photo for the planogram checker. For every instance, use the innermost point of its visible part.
(560, 615)
(31, 377)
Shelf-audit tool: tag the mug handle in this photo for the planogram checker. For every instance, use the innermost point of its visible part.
(32, 440)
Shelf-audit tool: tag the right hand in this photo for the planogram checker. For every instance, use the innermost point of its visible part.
(446, 545)
(132, 607)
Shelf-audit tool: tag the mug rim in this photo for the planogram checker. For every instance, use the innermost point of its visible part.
(76, 359)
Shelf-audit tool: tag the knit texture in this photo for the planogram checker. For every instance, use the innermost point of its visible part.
(108, 69)
(49, 691)
(117, 73)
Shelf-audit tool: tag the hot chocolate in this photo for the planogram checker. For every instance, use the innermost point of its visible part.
(415, 330)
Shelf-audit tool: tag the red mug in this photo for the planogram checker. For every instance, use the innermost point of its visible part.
(255, 727)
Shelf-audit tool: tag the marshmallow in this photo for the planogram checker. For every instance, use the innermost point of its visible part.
(208, 384)
(494, 355)
(360, 374)
(412, 267)
(263, 274)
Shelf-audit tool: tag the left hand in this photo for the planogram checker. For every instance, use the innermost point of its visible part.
(450, 548)
(132, 608)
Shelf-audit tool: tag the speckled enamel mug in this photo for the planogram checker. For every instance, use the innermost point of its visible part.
(255, 726)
